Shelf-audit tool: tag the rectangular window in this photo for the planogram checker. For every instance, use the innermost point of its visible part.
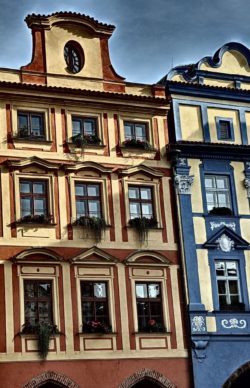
(217, 192)
(88, 200)
(38, 302)
(95, 307)
(31, 125)
(135, 131)
(85, 126)
(149, 306)
(224, 129)
(228, 285)
(140, 202)
(33, 198)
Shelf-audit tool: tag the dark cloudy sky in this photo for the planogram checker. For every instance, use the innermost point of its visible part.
(150, 35)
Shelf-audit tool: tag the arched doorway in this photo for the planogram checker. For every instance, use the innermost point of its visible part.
(240, 378)
(51, 379)
(146, 383)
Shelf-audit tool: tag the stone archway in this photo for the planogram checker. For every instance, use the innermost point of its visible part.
(149, 375)
(240, 378)
(53, 378)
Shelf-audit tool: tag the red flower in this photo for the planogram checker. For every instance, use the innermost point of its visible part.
(151, 322)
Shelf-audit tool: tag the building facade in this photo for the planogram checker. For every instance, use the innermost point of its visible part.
(209, 129)
(90, 290)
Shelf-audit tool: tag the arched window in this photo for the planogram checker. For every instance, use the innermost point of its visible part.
(74, 57)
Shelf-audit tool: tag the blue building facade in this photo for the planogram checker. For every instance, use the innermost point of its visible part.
(209, 130)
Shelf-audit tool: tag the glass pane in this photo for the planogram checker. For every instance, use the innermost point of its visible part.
(76, 127)
(141, 290)
(233, 287)
(87, 289)
(221, 287)
(80, 208)
(143, 308)
(208, 182)
(155, 308)
(93, 190)
(145, 193)
(220, 268)
(100, 290)
(210, 197)
(232, 268)
(147, 210)
(44, 289)
(154, 290)
(222, 301)
(89, 127)
(30, 311)
(25, 187)
(94, 208)
(133, 192)
(80, 190)
(140, 131)
(22, 121)
(39, 206)
(101, 308)
(222, 199)
(39, 187)
(128, 131)
(36, 126)
(26, 206)
(87, 308)
(235, 299)
(29, 290)
(44, 311)
(221, 183)
(135, 210)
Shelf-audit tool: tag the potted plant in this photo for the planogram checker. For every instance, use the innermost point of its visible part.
(80, 140)
(44, 331)
(136, 143)
(36, 219)
(142, 225)
(221, 211)
(95, 224)
(153, 326)
(96, 326)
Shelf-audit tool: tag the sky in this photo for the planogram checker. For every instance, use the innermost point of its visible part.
(151, 36)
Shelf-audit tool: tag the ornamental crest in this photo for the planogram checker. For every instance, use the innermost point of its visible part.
(183, 183)
(198, 324)
(234, 323)
(247, 186)
(225, 243)
(215, 225)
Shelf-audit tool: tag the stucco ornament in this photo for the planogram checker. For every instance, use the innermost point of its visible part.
(215, 225)
(247, 186)
(183, 183)
(198, 324)
(225, 243)
(234, 323)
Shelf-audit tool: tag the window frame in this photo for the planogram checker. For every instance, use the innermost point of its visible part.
(33, 195)
(214, 191)
(231, 128)
(49, 178)
(89, 198)
(82, 120)
(141, 201)
(29, 115)
(32, 110)
(148, 121)
(150, 300)
(133, 124)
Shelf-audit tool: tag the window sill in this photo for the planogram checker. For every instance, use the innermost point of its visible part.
(152, 334)
(31, 140)
(137, 149)
(148, 229)
(81, 334)
(35, 336)
(35, 224)
(98, 146)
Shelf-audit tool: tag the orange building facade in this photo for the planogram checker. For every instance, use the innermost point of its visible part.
(89, 260)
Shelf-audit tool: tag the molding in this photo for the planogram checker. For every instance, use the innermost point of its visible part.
(51, 377)
(47, 253)
(83, 257)
(147, 374)
(88, 165)
(34, 160)
(141, 168)
(133, 257)
(226, 240)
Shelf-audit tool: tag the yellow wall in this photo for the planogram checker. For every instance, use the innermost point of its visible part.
(228, 114)
(197, 206)
(233, 62)
(205, 279)
(190, 121)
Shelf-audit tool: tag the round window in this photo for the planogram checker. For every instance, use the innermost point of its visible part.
(73, 56)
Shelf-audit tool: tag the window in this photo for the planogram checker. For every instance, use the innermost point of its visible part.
(140, 202)
(37, 302)
(228, 285)
(135, 131)
(217, 192)
(88, 200)
(95, 308)
(31, 125)
(33, 198)
(149, 306)
(84, 126)
(224, 129)
(74, 58)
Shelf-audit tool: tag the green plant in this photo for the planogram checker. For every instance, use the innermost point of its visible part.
(81, 140)
(96, 327)
(221, 211)
(142, 225)
(138, 144)
(36, 219)
(44, 331)
(94, 224)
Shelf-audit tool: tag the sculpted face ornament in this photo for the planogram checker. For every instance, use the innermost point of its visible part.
(225, 243)
(183, 183)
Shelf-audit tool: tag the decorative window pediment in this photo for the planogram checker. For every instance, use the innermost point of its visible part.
(145, 257)
(37, 254)
(33, 161)
(141, 169)
(226, 240)
(94, 255)
(89, 166)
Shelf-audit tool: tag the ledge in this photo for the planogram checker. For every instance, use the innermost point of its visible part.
(97, 335)
(137, 149)
(31, 140)
(34, 224)
(152, 334)
(98, 146)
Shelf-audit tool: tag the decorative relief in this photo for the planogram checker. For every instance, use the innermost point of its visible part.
(199, 348)
(225, 243)
(215, 225)
(182, 162)
(234, 323)
(247, 186)
(183, 183)
(198, 324)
